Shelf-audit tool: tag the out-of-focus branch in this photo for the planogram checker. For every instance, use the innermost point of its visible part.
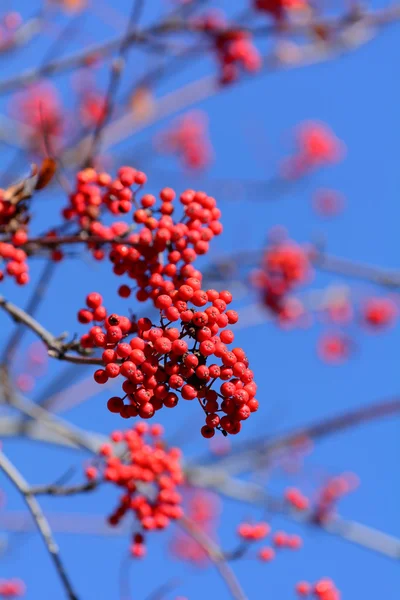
(117, 69)
(228, 266)
(33, 304)
(355, 270)
(173, 23)
(81, 438)
(74, 524)
(352, 531)
(216, 555)
(247, 458)
(24, 34)
(351, 35)
(41, 522)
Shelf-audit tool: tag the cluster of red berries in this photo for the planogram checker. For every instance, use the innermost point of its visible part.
(202, 508)
(15, 263)
(258, 531)
(7, 209)
(92, 107)
(95, 192)
(285, 265)
(317, 146)
(296, 499)
(12, 588)
(182, 242)
(252, 532)
(379, 312)
(234, 47)
(331, 493)
(95, 311)
(188, 139)
(158, 362)
(164, 248)
(14, 257)
(136, 461)
(324, 589)
(40, 108)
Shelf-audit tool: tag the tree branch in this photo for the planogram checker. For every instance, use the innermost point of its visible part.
(56, 348)
(41, 522)
(216, 555)
(60, 490)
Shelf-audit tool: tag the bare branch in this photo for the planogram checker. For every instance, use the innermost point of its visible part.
(247, 457)
(81, 438)
(355, 270)
(41, 522)
(352, 531)
(117, 69)
(215, 554)
(59, 490)
(56, 348)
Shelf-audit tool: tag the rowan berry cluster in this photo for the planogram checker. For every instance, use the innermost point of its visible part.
(13, 222)
(285, 265)
(317, 146)
(148, 473)
(324, 589)
(141, 255)
(250, 532)
(202, 508)
(188, 139)
(160, 362)
(234, 48)
(98, 192)
(331, 493)
(8, 210)
(12, 588)
(92, 107)
(40, 108)
(15, 263)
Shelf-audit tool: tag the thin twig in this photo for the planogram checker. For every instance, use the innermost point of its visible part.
(216, 555)
(117, 69)
(81, 438)
(352, 531)
(60, 490)
(41, 522)
(245, 457)
(56, 348)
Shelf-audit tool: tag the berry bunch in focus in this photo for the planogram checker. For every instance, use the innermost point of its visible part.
(148, 473)
(190, 358)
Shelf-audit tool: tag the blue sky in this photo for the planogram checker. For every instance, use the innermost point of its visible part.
(251, 128)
